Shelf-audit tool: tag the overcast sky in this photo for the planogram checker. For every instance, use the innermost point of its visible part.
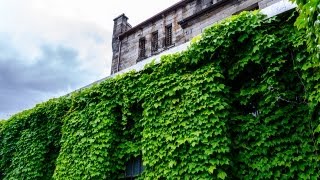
(51, 47)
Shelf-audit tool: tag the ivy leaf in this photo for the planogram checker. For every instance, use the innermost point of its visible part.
(317, 130)
(222, 175)
(243, 37)
(212, 168)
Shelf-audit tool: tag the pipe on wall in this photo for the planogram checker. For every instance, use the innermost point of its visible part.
(120, 45)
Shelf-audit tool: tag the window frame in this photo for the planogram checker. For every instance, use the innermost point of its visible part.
(154, 42)
(168, 35)
(142, 48)
(131, 164)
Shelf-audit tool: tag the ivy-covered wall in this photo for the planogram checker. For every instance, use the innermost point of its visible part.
(238, 104)
(30, 141)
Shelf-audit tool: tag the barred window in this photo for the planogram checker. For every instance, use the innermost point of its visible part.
(142, 48)
(168, 35)
(154, 42)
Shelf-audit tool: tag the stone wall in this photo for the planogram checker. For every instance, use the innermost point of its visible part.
(188, 19)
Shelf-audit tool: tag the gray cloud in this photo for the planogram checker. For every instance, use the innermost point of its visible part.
(22, 84)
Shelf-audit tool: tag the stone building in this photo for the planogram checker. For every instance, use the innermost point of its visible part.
(172, 27)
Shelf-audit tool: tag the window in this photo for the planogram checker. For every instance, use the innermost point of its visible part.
(168, 35)
(154, 42)
(133, 168)
(142, 48)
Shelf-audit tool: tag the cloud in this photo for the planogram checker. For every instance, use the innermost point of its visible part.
(54, 73)
(43, 56)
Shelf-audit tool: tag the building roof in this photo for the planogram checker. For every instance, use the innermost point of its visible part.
(183, 22)
(156, 17)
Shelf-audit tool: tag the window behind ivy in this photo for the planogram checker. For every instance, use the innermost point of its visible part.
(133, 168)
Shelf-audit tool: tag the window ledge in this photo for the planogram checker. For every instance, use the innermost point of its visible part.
(170, 46)
(141, 58)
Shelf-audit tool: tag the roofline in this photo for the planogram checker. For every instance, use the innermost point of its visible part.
(120, 16)
(156, 17)
(217, 5)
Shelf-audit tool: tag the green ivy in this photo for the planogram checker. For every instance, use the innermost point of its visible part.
(30, 141)
(309, 21)
(238, 104)
(2, 123)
